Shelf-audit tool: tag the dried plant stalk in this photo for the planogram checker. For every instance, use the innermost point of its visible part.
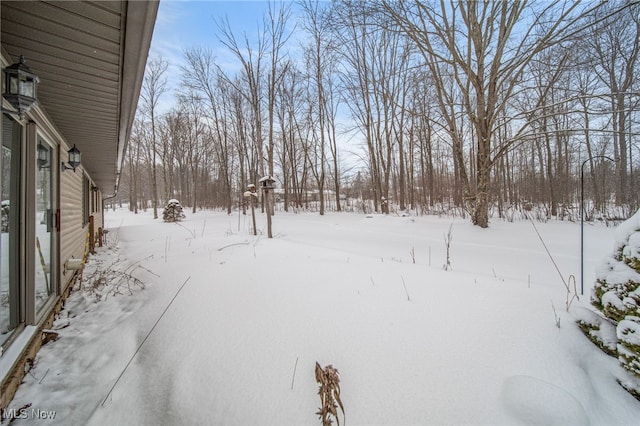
(329, 392)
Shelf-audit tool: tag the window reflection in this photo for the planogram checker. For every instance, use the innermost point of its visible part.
(10, 315)
(43, 226)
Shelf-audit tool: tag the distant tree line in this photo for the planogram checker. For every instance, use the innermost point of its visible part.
(480, 107)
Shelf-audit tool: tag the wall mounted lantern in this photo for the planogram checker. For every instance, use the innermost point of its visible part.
(43, 156)
(21, 87)
(74, 159)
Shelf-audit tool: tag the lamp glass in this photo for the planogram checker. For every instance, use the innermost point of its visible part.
(26, 88)
(13, 84)
(20, 86)
(43, 155)
(74, 156)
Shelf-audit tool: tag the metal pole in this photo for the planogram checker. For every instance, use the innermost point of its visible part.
(582, 216)
(582, 227)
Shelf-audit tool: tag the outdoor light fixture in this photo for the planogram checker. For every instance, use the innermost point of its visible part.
(74, 159)
(21, 87)
(43, 156)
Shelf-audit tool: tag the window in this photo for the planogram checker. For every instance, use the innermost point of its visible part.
(11, 293)
(44, 224)
(86, 197)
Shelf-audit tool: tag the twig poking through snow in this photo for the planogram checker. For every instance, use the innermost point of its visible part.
(294, 373)
(149, 271)
(405, 289)
(246, 243)
(166, 248)
(575, 296)
(193, 233)
(555, 314)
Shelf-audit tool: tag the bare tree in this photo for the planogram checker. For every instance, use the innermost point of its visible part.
(275, 24)
(134, 160)
(615, 47)
(487, 46)
(195, 143)
(250, 85)
(459, 107)
(202, 76)
(154, 86)
(375, 63)
(289, 106)
(315, 55)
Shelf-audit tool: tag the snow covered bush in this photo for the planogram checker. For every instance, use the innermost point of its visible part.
(617, 295)
(628, 332)
(599, 330)
(173, 211)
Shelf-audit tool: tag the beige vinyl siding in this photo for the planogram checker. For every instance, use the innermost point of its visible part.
(72, 233)
(73, 230)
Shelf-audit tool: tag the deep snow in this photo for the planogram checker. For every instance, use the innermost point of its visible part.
(479, 344)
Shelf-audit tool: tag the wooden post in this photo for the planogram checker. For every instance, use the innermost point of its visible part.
(253, 214)
(92, 241)
(251, 194)
(267, 201)
(267, 183)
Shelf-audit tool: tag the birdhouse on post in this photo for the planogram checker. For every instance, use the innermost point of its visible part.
(267, 184)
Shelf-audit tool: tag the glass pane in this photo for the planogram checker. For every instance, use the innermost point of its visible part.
(44, 227)
(13, 84)
(27, 88)
(10, 222)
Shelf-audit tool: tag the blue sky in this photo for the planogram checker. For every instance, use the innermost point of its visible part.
(182, 25)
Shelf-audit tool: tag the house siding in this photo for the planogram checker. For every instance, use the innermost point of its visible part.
(72, 232)
(90, 80)
(74, 229)
(72, 243)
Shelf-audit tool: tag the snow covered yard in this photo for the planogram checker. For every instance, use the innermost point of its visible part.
(414, 344)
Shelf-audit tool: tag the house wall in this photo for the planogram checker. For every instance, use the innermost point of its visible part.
(77, 207)
(76, 199)
(73, 228)
(91, 74)
(72, 233)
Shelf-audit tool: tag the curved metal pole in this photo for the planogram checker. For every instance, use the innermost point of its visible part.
(582, 227)
(582, 217)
